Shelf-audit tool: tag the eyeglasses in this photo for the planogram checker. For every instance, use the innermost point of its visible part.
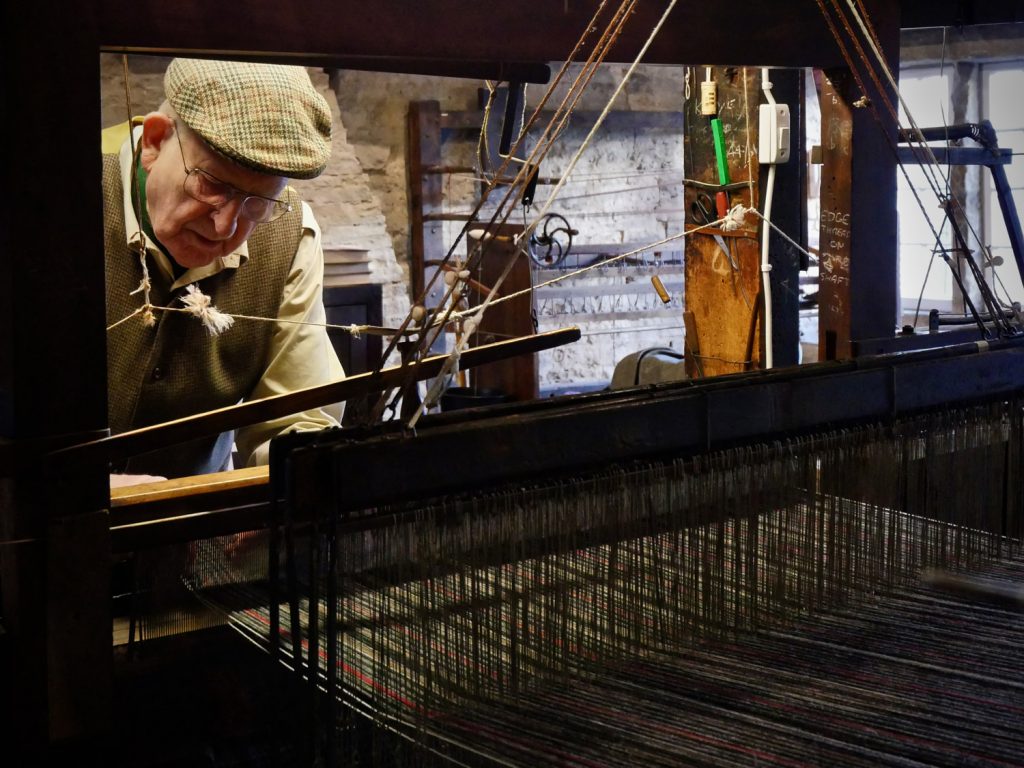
(208, 189)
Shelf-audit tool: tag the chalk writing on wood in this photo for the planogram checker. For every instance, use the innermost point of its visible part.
(835, 247)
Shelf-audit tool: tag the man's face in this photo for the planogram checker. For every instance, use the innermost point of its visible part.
(195, 233)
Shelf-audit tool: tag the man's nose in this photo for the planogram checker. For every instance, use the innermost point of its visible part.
(225, 218)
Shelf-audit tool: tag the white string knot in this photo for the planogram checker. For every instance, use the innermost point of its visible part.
(199, 305)
(144, 286)
(148, 316)
(735, 218)
(355, 330)
(470, 323)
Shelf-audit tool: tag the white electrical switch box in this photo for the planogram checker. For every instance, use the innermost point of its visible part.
(773, 134)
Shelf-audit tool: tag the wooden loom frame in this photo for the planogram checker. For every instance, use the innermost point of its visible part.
(52, 385)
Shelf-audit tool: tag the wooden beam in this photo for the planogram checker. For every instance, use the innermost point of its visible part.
(987, 44)
(859, 287)
(516, 376)
(834, 333)
(748, 32)
(158, 436)
(721, 289)
(57, 688)
(423, 126)
(959, 13)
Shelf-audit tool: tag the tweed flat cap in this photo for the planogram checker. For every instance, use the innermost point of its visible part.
(266, 117)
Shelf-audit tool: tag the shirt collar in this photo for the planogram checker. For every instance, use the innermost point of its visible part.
(134, 234)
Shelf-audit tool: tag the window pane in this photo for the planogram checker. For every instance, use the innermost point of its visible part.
(1002, 85)
(926, 93)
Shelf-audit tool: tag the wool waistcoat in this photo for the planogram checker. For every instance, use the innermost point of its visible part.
(176, 368)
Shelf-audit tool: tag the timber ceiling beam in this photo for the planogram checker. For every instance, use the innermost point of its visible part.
(960, 13)
(329, 32)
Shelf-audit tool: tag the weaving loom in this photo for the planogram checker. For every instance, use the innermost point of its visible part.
(723, 574)
(751, 604)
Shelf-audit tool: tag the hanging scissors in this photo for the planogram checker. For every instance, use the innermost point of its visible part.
(702, 210)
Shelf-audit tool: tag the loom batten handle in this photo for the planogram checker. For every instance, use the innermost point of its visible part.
(144, 439)
(976, 589)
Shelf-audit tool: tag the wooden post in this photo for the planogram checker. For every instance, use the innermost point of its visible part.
(56, 687)
(426, 235)
(517, 376)
(836, 216)
(859, 286)
(722, 299)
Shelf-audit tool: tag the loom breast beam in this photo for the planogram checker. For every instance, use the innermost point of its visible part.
(608, 427)
(682, 419)
(158, 436)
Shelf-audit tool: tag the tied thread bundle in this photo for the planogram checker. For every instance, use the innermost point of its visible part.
(196, 303)
(216, 322)
(480, 606)
(199, 305)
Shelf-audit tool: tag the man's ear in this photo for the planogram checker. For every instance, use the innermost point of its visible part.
(156, 129)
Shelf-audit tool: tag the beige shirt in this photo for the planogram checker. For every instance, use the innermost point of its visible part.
(300, 355)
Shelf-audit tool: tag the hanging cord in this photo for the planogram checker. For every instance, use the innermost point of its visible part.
(924, 283)
(418, 313)
(198, 308)
(731, 222)
(571, 98)
(483, 150)
(932, 170)
(544, 144)
(524, 237)
(952, 205)
(145, 285)
(601, 118)
(564, 176)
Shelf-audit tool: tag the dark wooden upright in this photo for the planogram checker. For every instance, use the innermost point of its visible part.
(515, 377)
(56, 687)
(426, 236)
(859, 287)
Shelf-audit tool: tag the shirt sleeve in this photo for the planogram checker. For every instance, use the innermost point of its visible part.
(300, 355)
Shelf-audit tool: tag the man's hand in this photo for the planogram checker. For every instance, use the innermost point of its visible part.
(120, 481)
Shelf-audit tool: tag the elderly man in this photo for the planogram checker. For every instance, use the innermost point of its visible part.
(199, 197)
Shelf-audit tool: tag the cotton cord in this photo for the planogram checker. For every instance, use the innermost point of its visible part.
(728, 223)
(600, 120)
(145, 285)
(355, 330)
(524, 237)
